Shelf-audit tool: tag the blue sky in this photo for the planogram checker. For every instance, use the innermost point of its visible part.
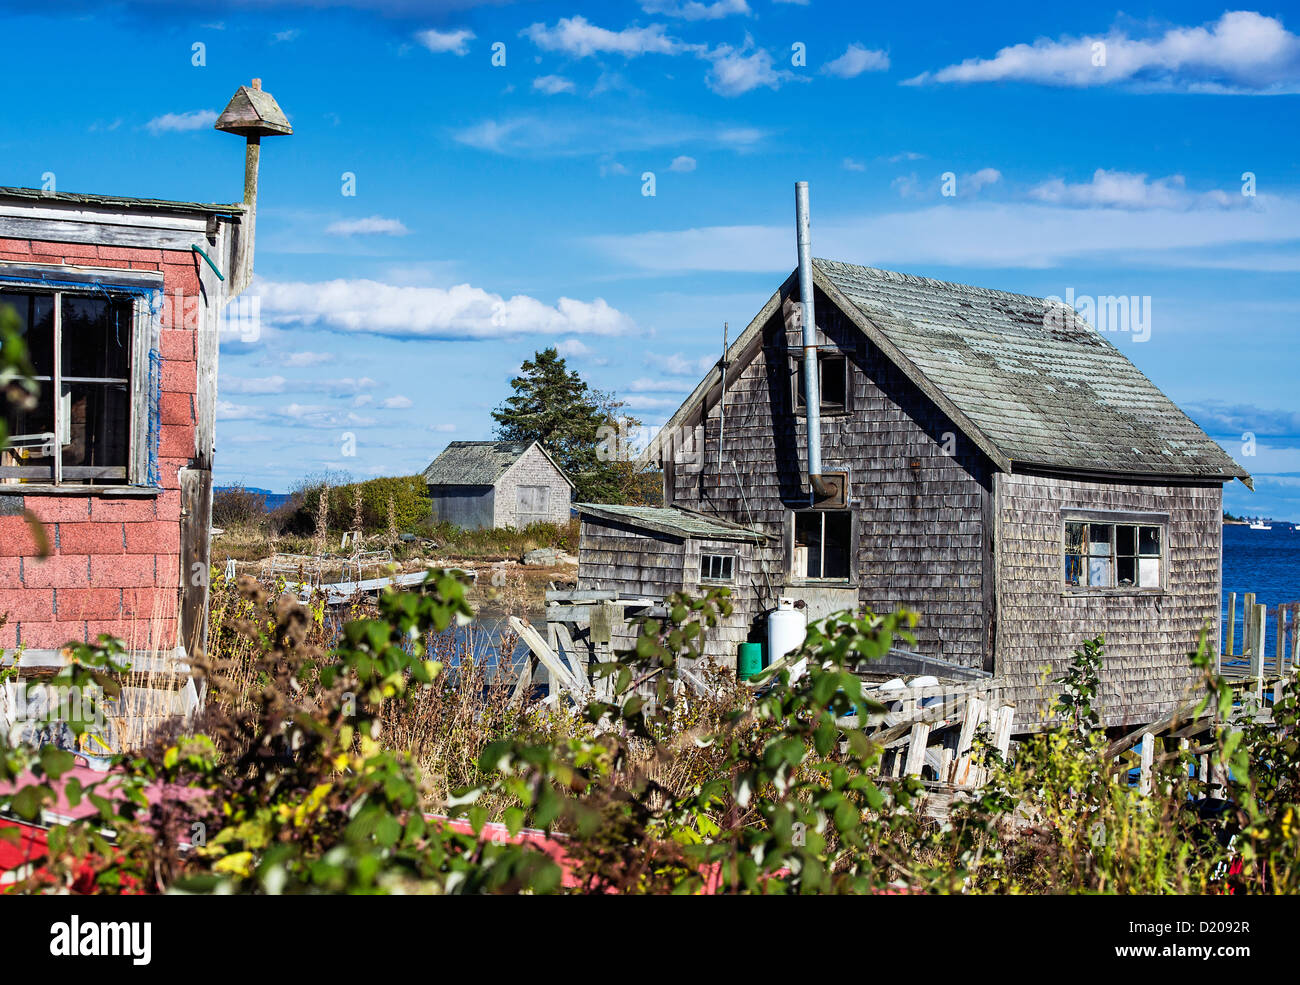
(499, 208)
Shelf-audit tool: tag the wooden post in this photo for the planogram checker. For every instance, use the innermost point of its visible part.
(1148, 758)
(1260, 622)
(1230, 634)
(1247, 622)
(1281, 636)
(961, 764)
(1203, 774)
(916, 749)
(1295, 634)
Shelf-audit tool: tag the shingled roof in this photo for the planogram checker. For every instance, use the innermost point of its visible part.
(1028, 380)
(479, 463)
(672, 521)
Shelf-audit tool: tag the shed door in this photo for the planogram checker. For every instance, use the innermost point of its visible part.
(532, 505)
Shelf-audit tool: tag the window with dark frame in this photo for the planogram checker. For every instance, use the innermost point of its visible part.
(717, 567)
(823, 541)
(80, 348)
(833, 380)
(1098, 554)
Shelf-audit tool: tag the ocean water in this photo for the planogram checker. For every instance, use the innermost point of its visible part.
(1266, 562)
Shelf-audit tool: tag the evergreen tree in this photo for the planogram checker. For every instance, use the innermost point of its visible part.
(553, 404)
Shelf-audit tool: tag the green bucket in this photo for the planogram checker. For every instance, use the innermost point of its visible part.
(750, 661)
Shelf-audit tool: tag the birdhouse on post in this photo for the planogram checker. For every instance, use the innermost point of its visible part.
(252, 113)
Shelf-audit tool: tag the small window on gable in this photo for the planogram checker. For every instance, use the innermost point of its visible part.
(1114, 555)
(717, 567)
(833, 379)
(79, 429)
(823, 542)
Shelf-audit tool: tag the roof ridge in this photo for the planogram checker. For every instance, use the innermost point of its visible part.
(918, 280)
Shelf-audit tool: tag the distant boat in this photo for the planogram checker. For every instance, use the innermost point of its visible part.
(1260, 525)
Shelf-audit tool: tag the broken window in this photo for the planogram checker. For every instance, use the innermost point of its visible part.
(833, 380)
(79, 430)
(1113, 555)
(717, 567)
(532, 505)
(823, 541)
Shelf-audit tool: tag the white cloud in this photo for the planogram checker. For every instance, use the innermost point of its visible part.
(1242, 52)
(736, 71)
(578, 37)
(446, 42)
(197, 119)
(573, 348)
(676, 364)
(1128, 190)
(317, 416)
(376, 225)
(907, 155)
(851, 165)
(980, 179)
(693, 10)
(460, 312)
(261, 384)
(444, 428)
(984, 234)
(856, 60)
(227, 411)
(552, 84)
(641, 402)
(282, 36)
(399, 402)
(299, 359)
(649, 385)
(573, 134)
(682, 163)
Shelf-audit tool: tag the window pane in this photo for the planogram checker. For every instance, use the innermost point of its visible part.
(1126, 571)
(1149, 572)
(836, 550)
(1149, 541)
(96, 337)
(1099, 572)
(833, 382)
(808, 535)
(36, 326)
(727, 568)
(96, 425)
(1126, 540)
(31, 433)
(1099, 538)
(1074, 570)
(1074, 538)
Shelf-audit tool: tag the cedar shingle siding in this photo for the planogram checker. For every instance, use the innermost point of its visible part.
(975, 422)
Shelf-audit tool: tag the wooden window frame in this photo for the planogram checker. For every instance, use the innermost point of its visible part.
(1114, 520)
(732, 564)
(794, 576)
(796, 380)
(145, 337)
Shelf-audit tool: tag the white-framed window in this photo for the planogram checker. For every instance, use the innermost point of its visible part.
(717, 567)
(532, 505)
(89, 350)
(822, 545)
(1127, 554)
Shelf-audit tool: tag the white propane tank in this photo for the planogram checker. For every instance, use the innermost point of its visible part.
(786, 629)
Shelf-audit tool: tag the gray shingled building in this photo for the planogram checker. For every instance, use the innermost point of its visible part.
(476, 484)
(1003, 469)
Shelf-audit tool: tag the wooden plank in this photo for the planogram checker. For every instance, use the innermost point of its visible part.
(916, 749)
(975, 709)
(574, 654)
(1230, 635)
(560, 674)
(1257, 654)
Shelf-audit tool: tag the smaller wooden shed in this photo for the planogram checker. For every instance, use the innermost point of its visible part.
(478, 484)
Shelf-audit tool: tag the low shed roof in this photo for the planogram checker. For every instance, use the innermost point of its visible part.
(480, 463)
(669, 520)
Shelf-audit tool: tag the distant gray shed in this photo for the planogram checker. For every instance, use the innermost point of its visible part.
(476, 484)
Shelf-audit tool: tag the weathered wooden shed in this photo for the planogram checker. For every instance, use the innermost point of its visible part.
(994, 463)
(478, 484)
